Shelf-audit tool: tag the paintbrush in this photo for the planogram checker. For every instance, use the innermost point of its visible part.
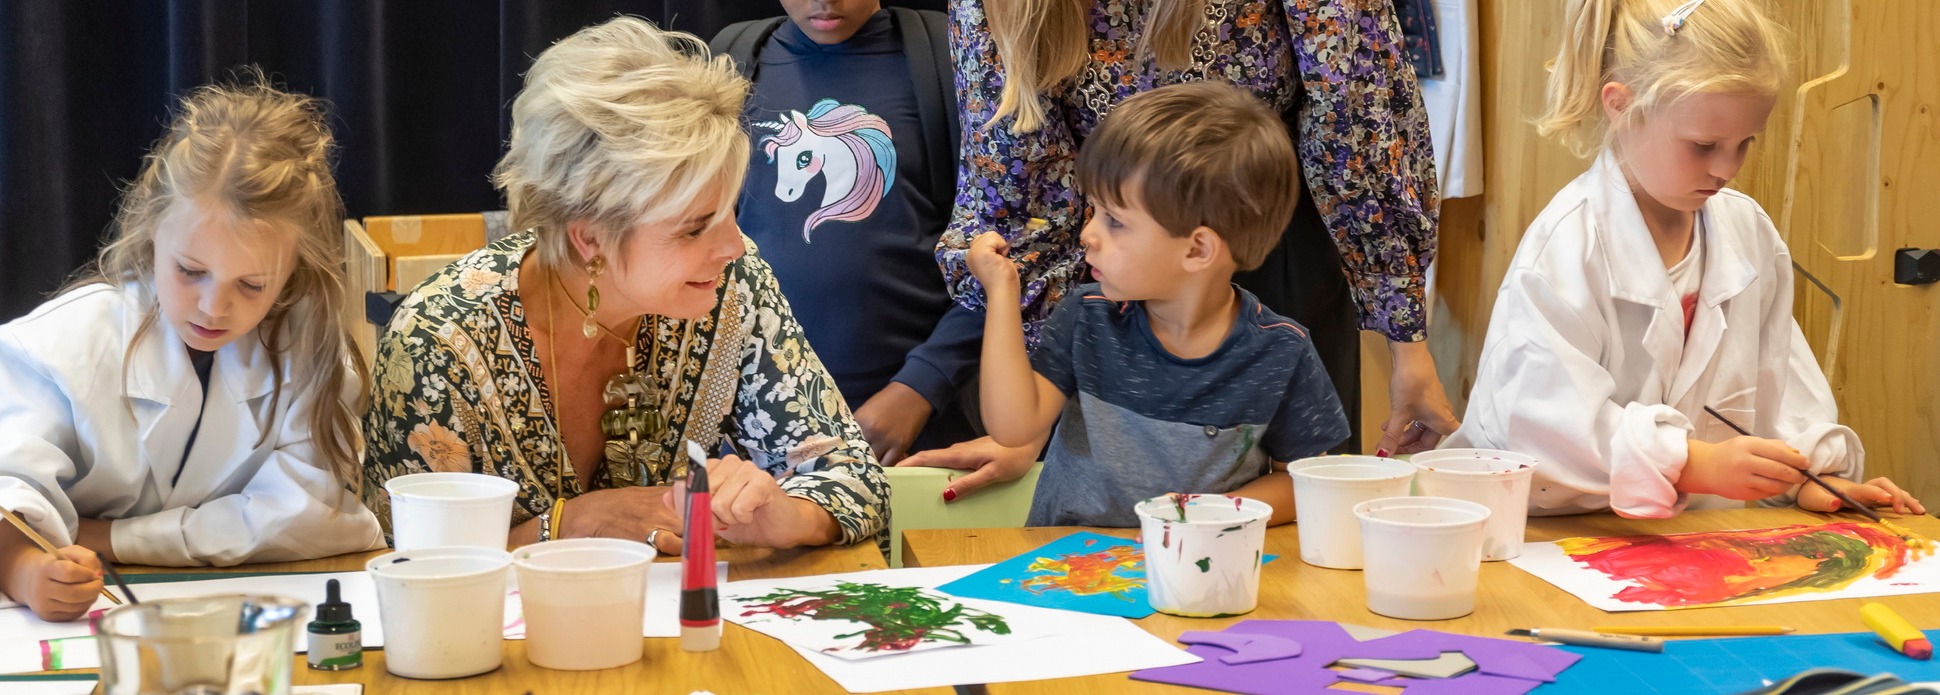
(1816, 480)
(1905, 534)
(50, 549)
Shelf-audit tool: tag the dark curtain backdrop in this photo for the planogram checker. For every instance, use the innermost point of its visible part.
(419, 93)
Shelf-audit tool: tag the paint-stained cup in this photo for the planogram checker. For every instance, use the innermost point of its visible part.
(1203, 553)
(1422, 555)
(585, 602)
(443, 610)
(1495, 479)
(1325, 490)
(433, 510)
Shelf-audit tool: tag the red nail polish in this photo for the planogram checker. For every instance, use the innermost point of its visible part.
(1383, 453)
(949, 494)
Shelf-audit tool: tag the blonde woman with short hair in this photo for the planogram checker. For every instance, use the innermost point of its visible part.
(576, 358)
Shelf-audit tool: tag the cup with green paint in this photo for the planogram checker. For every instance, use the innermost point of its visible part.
(1203, 553)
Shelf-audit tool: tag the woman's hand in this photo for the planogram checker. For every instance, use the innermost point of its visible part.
(1878, 492)
(748, 507)
(1419, 415)
(628, 512)
(987, 461)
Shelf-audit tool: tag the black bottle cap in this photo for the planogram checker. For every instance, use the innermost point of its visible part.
(333, 609)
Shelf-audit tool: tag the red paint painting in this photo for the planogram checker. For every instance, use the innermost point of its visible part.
(1720, 568)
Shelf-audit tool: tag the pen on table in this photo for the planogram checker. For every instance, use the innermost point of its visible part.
(1899, 634)
(51, 550)
(1587, 638)
(1696, 630)
(1847, 501)
(700, 602)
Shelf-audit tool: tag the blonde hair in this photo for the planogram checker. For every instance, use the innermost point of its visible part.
(264, 155)
(1723, 46)
(620, 124)
(1043, 43)
(1203, 154)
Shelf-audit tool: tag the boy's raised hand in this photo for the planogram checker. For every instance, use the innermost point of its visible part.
(57, 587)
(1878, 492)
(1742, 468)
(989, 261)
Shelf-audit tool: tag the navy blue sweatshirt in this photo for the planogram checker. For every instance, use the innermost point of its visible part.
(837, 197)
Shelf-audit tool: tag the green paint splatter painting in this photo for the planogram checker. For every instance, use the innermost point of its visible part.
(895, 618)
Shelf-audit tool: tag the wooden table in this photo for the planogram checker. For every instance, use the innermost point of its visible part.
(1508, 597)
(747, 662)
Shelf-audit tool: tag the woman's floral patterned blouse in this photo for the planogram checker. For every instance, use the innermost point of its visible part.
(459, 387)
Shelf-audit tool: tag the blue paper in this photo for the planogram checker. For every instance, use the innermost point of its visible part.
(1120, 592)
(1735, 664)
(1109, 577)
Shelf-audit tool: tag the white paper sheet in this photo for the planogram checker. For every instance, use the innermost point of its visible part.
(1920, 575)
(1081, 645)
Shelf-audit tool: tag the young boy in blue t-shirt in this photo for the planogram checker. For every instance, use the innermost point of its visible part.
(1163, 376)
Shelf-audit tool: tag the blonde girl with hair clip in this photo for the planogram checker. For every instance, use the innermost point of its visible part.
(1648, 291)
(191, 399)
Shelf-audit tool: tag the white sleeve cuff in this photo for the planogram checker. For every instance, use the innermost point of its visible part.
(1646, 458)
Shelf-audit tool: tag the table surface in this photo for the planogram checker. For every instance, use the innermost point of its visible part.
(749, 662)
(1507, 597)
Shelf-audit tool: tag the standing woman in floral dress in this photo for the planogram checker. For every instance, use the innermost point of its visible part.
(1034, 78)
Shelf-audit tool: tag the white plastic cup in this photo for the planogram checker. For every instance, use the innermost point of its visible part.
(1325, 490)
(1495, 479)
(1208, 564)
(443, 610)
(437, 510)
(585, 602)
(1423, 555)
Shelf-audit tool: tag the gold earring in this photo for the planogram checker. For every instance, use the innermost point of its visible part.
(594, 269)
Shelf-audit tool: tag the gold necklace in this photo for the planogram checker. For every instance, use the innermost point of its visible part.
(631, 423)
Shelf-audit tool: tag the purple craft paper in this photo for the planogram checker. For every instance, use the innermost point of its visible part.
(1324, 643)
(1364, 675)
(1247, 648)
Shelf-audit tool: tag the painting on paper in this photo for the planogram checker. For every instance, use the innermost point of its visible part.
(856, 618)
(1739, 567)
(1088, 572)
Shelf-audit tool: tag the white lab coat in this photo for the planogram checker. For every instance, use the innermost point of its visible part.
(1587, 367)
(79, 437)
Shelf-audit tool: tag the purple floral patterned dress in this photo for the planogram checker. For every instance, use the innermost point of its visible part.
(1363, 144)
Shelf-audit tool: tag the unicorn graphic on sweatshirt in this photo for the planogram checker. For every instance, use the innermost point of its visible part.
(843, 143)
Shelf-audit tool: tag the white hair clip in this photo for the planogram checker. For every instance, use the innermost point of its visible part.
(1675, 20)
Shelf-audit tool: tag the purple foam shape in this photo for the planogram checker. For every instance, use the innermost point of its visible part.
(1324, 643)
(1366, 675)
(1247, 648)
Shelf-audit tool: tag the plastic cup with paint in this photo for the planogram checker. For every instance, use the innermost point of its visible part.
(1423, 555)
(1325, 490)
(433, 510)
(443, 610)
(1203, 553)
(1495, 479)
(585, 602)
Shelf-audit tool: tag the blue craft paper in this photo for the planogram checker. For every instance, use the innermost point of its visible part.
(1734, 665)
(990, 583)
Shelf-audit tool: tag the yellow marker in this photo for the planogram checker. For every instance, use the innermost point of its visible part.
(1898, 633)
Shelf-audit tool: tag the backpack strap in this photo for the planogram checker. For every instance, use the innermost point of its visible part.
(926, 43)
(742, 42)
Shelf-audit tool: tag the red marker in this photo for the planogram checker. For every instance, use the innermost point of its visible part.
(700, 602)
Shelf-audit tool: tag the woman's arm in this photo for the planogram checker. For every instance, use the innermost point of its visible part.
(790, 415)
(1007, 178)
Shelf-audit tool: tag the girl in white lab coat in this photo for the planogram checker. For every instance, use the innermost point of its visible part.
(1647, 290)
(192, 399)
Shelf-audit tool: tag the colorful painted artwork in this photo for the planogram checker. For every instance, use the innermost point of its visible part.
(1723, 568)
(1086, 571)
(853, 618)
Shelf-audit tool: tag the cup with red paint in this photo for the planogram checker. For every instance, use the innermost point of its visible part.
(1203, 553)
